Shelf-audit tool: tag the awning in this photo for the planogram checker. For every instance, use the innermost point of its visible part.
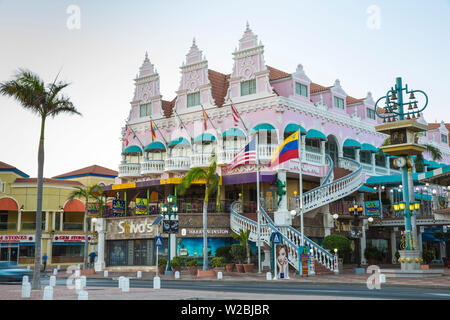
(368, 147)
(418, 196)
(133, 149)
(364, 188)
(390, 180)
(205, 137)
(8, 204)
(429, 236)
(292, 127)
(440, 175)
(434, 164)
(179, 141)
(350, 143)
(315, 134)
(263, 126)
(233, 132)
(155, 146)
(74, 206)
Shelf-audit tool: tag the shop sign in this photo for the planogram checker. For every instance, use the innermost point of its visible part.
(199, 231)
(118, 207)
(93, 210)
(141, 206)
(69, 238)
(131, 228)
(372, 208)
(170, 226)
(16, 238)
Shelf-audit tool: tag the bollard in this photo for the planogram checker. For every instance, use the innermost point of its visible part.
(219, 275)
(382, 278)
(83, 281)
(177, 274)
(52, 281)
(77, 273)
(83, 295)
(58, 267)
(25, 279)
(78, 266)
(48, 293)
(121, 279)
(268, 276)
(55, 272)
(28, 268)
(139, 274)
(78, 285)
(105, 273)
(126, 285)
(156, 283)
(26, 290)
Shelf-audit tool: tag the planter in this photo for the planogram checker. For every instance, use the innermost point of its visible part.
(174, 269)
(240, 267)
(372, 261)
(425, 267)
(229, 267)
(219, 269)
(192, 271)
(161, 270)
(248, 268)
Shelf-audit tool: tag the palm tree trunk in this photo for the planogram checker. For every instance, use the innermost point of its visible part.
(38, 235)
(205, 234)
(86, 235)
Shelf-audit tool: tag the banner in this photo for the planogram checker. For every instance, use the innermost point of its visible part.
(281, 260)
(141, 206)
(93, 210)
(118, 207)
(372, 208)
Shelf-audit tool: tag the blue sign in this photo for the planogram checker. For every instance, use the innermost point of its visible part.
(276, 238)
(372, 208)
(158, 242)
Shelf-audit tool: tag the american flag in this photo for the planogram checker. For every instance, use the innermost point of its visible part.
(235, 116)
(246, 156)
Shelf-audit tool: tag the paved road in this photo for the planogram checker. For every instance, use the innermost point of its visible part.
(280, 288)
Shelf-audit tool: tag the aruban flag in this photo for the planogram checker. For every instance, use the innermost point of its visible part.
(246, 156)
(128, 133)
(235, 116)
(288, 150)
(152, 128)
(205, 118)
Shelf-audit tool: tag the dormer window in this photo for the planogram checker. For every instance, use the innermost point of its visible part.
(370, 113)
(248, 87)
(301, 89)
(145, 110)
(444, 138)
(193, 99)
(338, 103)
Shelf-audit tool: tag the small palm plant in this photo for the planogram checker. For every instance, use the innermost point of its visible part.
(92, 192)
(45, 100)
(211, 179)
(243, 238)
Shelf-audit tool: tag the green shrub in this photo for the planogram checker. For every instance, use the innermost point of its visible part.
(238, 253)
(191, 262)
(177, 262)
(372, 253)
(218, 262)
(336, 241)
(162, 262)
(224, 252)
(428, 255)
(397, 256)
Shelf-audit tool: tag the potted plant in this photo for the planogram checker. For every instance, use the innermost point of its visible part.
(218, 263)
(225, 252)
(243, 237)
(238, 254)
(176, 263)
(191, 264)
(427, 256)
(339, 242)
(162, 263)
(372, 254)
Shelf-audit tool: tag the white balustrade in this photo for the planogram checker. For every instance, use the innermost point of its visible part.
(381, 170)
(129, 170)
(313, 157)
(225, 156)
(177, 164)
(266, 150)
(200, 160)
(152, 167)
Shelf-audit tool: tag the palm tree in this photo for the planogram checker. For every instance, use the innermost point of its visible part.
(243, 238)
(91, 192)
(44, 100)
(211, 179)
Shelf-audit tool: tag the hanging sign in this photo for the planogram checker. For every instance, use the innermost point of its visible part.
(93, 210)
(141, 206)
(118, 207)
(372, 208)
(170, 226)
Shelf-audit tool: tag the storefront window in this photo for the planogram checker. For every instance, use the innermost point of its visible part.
(118, 253)
(67, 250)
(26, 251)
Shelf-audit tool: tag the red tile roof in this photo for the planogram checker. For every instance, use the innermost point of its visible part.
(95, 169)
(7, 167)
(314, 87)
(4, 165)
(167, 107)
(49, 181)
(351, 100)
(219, 83)
(275, 74)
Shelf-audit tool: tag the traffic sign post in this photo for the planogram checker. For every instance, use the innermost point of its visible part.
(275, 239)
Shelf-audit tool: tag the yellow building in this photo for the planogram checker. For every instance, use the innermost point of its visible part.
(62, 220)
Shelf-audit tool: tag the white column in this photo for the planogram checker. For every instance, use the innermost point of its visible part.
(173, 245)
(363, 241)
(100, 228)
(282, 216)
(61, 221)
(53, 220)
(47, 218)
(19, 220)
(393, 246)
(443, 253)
(388, 165)
(357, 155)
(373, 162)
(322, 151)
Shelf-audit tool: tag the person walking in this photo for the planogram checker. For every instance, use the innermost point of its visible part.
(92, 256)
(44, 260)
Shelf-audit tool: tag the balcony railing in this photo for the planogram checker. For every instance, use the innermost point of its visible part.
(129, 170)
(381, 170)
(200, 160)
(6, 226)
(31, 225)
(224, 157)
(177, 164)
(266, 150)
(152, 167)
(313, 157)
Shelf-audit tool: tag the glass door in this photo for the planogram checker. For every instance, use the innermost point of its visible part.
(14, 254)
(140, 252)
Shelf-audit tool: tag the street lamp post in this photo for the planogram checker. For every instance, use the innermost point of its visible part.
(169, 212)
(300, 210)
(356, 211)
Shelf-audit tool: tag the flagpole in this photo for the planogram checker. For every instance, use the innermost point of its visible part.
(183, 125)
(258, 211)
(134, 133)
(300, 186)
(210, 121)
(231, 104)
(162, 136)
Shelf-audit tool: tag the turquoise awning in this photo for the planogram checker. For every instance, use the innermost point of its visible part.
(368, 147)
(205, 137)
(179, 141)
(263, 126)
(292, 127)
(435, 173)
(133, 149)
(233, 132)
(418, 195)
(155, 146)
(364, 188)
(350, 143)
(434, 164)
(390, 180)
(315, 134)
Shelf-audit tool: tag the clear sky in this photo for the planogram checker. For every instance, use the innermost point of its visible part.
(365, 48)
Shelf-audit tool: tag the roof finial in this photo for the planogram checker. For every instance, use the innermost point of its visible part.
(248, 26)
(146, 54)
(193, 42)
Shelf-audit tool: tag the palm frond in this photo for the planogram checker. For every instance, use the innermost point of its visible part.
(193, 175)
(436, 153)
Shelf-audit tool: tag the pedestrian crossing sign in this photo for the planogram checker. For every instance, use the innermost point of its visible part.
(158, 241)
(276, 238)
